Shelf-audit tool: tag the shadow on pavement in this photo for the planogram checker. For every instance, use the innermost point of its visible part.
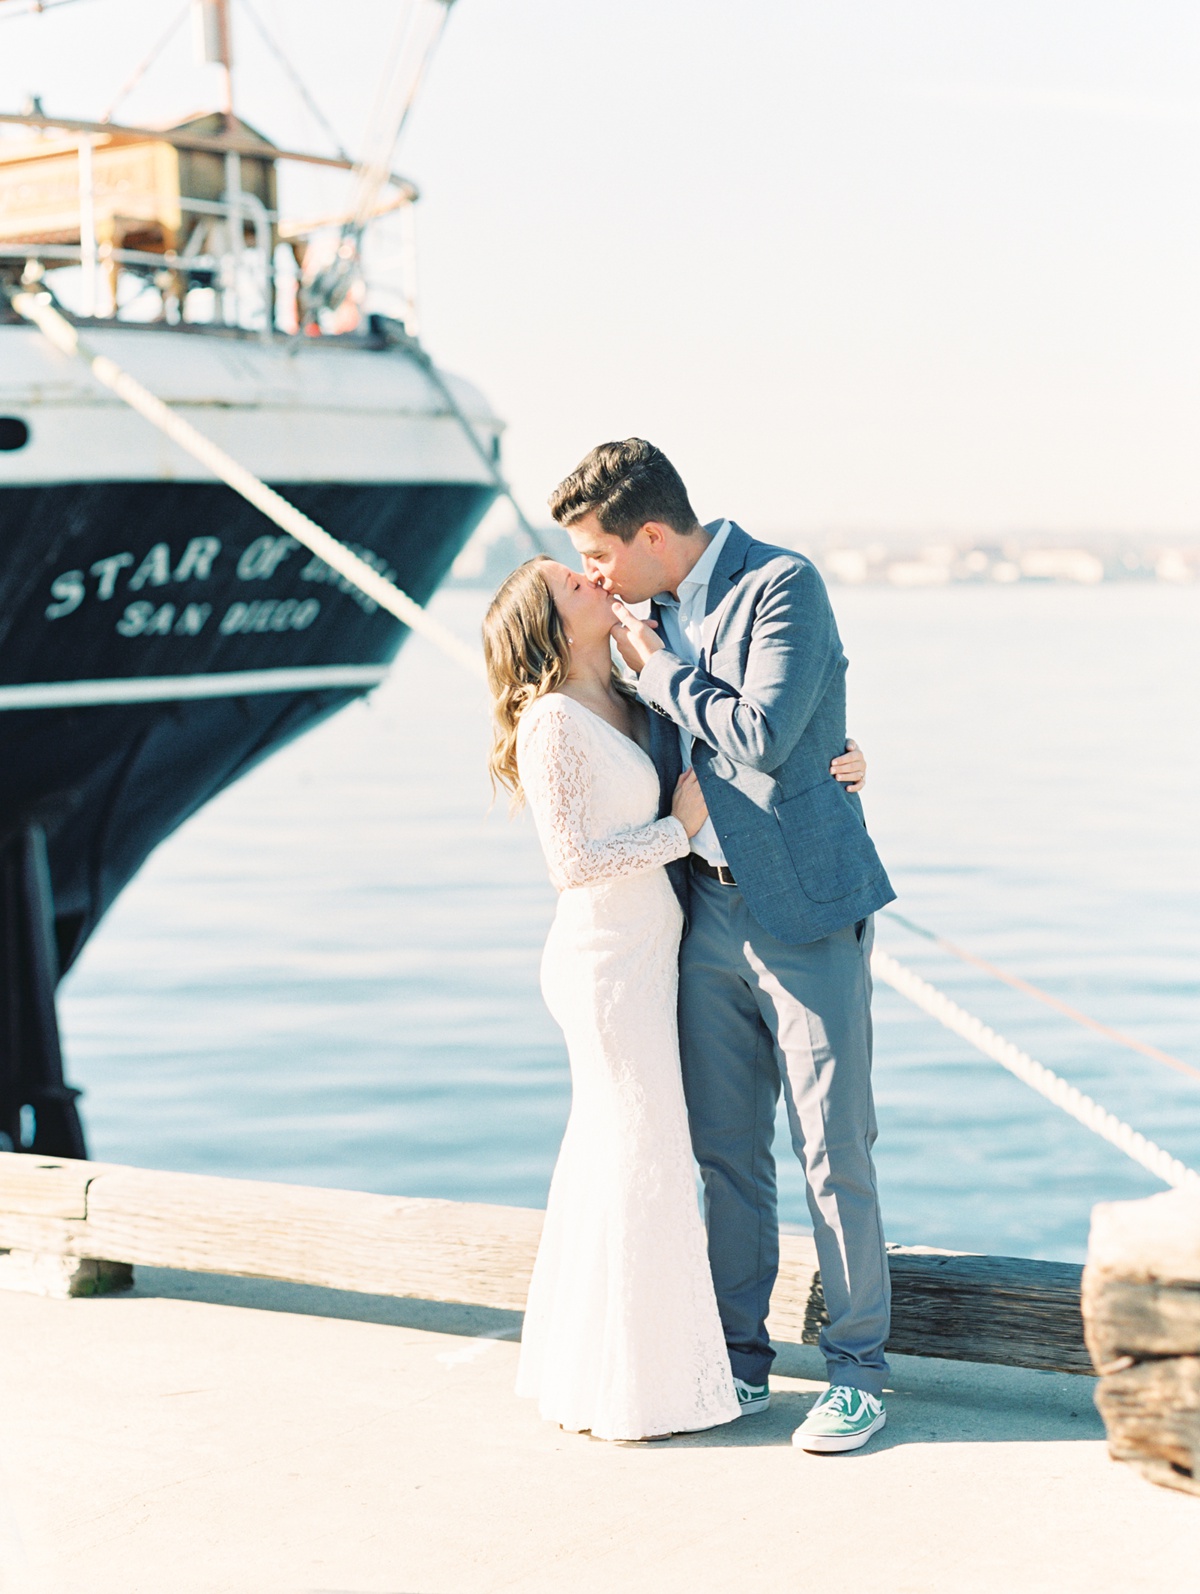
(928, 1401)
(311, 1300)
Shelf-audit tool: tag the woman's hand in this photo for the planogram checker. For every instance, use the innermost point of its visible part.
(688, 805)
(636, 639)
(850, 767)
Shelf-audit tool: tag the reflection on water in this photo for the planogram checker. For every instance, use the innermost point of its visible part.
(330, 975)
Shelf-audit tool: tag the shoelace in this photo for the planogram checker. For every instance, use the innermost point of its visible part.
(839, 1401)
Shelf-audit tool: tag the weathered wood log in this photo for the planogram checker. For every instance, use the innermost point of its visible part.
(1001, 1309)
(968, 1308)
(380, 1245)
(1009, 1310)
(1141, 1310)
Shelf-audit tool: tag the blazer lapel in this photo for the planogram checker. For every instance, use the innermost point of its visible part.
(728, 567)
(666, 757)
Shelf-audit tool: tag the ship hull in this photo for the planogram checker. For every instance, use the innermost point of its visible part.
(234, 638)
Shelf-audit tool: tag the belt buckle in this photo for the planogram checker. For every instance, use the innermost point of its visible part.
(719, 872)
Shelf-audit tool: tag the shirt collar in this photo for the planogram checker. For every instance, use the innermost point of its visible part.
(700, 574)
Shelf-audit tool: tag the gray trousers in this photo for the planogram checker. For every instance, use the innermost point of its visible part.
(757, 1015)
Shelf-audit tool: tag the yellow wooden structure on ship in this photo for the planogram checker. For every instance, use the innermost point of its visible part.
(108, 198)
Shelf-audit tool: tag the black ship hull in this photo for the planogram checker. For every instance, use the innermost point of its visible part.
(158, 639)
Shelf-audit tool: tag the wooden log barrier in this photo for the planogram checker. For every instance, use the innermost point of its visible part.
(57, 1214)
(1141, 1312)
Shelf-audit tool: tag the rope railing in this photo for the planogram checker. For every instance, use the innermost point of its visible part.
(1036, 1075)
(1029, 989)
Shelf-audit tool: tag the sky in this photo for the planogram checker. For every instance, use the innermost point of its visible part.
(929, 267)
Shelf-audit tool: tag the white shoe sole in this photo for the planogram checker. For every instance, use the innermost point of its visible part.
(831, 1444)
(747, 1408)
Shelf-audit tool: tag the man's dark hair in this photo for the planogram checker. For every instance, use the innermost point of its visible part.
(626, 484)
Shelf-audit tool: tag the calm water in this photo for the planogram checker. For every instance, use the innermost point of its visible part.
(330, 975)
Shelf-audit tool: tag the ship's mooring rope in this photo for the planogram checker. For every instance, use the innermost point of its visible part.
(1059, 1006)
(1038, 1077)
(38, 308)
(531, 537)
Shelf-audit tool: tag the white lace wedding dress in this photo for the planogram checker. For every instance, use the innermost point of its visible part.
(621, 1334)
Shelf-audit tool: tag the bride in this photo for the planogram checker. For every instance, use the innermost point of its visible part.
(622, 1337)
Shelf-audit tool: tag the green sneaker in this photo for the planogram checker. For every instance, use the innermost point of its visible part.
(752, 1397)
(842, 1419)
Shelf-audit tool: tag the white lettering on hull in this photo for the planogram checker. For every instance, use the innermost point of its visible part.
(154, 569)
(106, 572)
(270, 614)
(317, 570)
(144, 619)
(198, 558)
(70, 592)
(263, 557)
(157, 568)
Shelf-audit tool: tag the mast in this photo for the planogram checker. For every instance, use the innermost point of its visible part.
(214, 37)
(214, 43)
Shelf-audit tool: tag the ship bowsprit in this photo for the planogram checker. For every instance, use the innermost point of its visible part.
(159, 637)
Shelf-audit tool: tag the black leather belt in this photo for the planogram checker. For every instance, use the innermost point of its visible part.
(712, 871)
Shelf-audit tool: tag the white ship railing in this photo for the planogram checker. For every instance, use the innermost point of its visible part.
(249, 293)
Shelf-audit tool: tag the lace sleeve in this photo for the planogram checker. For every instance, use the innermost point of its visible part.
(556, 775)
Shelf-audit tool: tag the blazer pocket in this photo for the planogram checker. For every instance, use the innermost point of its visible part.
(827, 842)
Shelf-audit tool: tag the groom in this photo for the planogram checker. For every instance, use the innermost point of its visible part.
(743, 667)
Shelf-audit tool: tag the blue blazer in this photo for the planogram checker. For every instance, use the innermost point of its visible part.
(767, 708)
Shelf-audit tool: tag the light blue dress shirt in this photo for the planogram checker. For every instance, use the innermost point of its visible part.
(681, 623)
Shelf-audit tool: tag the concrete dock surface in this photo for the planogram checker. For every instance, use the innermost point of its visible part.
(208, 1435)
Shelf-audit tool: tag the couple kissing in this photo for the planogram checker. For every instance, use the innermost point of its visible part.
(697, 806)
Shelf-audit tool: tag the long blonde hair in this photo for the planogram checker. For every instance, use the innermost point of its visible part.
(527, 654)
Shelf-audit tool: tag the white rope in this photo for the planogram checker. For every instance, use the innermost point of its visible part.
(1047, 1083)
(38, 309)
(1027, 988)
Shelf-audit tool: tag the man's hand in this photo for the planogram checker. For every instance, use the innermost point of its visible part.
(636, 639)
(688, 805)
(850, 767)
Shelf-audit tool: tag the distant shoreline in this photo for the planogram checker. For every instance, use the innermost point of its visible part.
(911, 562)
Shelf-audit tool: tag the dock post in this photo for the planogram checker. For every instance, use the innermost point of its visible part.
(1141, 1313)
